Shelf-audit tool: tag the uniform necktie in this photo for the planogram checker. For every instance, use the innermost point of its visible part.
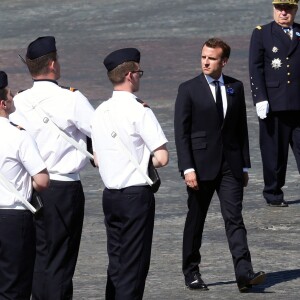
(219, 101)
(289, 32)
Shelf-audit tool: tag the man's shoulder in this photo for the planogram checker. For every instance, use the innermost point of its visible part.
(21, 93)
(68, 91)
(296, 25)
(229, 79)
(20, 98)
(68, 88)
(261, 28)
(15, 133)
(191, 81)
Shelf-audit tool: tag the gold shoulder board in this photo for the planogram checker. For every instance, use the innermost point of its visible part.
(69, 88)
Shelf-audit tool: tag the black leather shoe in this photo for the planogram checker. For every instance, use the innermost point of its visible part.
(195, 282)
(278, 204)
(251, 279)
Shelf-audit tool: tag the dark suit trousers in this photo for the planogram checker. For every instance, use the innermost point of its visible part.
(230, 192)
(58, 234)
(277, 132)
(129, 220)
(17, 253)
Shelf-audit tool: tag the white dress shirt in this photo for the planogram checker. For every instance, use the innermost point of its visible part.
(70, 111)
(139, 131)
(19, 160)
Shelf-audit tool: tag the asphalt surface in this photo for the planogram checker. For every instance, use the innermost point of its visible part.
(169, 35)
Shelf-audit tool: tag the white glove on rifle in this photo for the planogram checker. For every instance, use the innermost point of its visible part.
(262, 108)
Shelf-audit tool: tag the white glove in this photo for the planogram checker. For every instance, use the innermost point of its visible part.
(262, 108)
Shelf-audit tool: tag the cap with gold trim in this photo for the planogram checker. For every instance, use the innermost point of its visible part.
(289, 2)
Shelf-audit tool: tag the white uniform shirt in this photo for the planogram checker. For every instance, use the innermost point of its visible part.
(70, 111)
(19, 160)
(138, 130)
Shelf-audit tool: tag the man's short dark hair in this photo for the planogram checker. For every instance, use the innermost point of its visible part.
(218, 43)
(39, 66)
(117, 75)
(3, 94)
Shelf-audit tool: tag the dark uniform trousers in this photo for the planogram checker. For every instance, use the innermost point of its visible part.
(58, 234)
(230, 193)
(17, 254)
(277, 132)
(129, 220)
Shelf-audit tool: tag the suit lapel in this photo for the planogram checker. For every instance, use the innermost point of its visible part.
(207, 90)
(279, 37)
(295, 40)
(229, 88)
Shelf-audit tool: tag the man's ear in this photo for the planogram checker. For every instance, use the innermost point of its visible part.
(2, 103)
(51, 65)
(224, 61)
(129, 76)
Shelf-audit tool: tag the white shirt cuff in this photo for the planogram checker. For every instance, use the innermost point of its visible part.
(189, 171)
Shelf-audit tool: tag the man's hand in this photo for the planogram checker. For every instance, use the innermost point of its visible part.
(191, 180)
(262, 108)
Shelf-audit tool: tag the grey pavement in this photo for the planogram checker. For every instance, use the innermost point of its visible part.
(170, 35)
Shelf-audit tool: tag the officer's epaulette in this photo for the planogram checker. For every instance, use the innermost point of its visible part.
(142, 102)
(20, 92)
(17, 126)
(259, 27)
(69, 88)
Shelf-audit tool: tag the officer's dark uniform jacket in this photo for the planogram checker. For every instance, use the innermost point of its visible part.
(274, 64)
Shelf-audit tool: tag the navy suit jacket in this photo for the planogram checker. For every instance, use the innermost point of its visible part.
(274, 66)
(200, 140)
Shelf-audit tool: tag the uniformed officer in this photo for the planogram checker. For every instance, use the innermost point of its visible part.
(59, 227)
(22, 166)
(274, 64)
(128, 202)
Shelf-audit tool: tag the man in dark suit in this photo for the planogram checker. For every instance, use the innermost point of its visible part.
(211, 138)
(274, 64)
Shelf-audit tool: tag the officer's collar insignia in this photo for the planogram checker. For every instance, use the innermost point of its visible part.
(258, 27)
(297, 33)
(275, 49)
(276, 63)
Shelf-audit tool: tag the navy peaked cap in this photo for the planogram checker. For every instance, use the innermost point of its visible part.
(41, 46)
(120, 56)
(3, 80)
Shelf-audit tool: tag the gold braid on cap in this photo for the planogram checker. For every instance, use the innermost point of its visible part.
(291, 2)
